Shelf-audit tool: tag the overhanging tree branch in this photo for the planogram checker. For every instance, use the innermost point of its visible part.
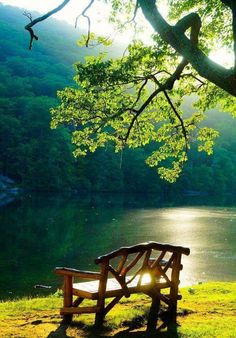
(41, 18)
(175, 37)
(190, 21)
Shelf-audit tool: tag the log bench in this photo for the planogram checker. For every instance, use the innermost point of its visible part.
(145, 268)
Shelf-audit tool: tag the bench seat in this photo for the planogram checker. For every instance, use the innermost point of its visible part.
(89, 290)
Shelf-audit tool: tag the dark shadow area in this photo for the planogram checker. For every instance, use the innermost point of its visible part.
(59, 332)
(169, 327)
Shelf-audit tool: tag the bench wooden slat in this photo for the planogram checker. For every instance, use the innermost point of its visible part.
(77, 273)
(113, 288)
(78, 310)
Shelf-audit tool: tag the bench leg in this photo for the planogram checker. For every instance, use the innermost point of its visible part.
(172, 308)
(99, 318)
(67, 319)
(68, 298)
(153, 314)
(172, 311)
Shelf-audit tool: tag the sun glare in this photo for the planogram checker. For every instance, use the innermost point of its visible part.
(222, 56)
(180, 214)
(146, 278)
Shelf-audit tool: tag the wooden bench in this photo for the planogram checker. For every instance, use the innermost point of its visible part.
(147, 267)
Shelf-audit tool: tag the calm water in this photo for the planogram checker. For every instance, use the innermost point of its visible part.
(39, 233)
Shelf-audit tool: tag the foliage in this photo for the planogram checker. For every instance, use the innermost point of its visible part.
(135, 100)
(112, 104)
(40, 158)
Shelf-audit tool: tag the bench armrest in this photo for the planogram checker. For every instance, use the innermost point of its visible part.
(77, 273)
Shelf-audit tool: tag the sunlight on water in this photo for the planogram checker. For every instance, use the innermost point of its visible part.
(207, 231)
(180, 214)
(75, 233)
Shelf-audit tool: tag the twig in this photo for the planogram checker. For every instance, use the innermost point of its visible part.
(88, 20)
(140, 92)
(39, 19)
(194, 77)
(184, 131)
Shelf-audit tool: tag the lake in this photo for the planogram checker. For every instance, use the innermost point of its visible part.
(40, 232)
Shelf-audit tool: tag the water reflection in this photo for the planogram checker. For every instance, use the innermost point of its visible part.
(209, 232)
(42, 232)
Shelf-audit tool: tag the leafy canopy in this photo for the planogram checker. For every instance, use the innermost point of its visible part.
(136, 99)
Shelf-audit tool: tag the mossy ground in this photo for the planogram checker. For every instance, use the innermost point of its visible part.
(206, 310)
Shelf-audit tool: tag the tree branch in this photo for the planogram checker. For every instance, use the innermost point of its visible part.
(184, 131)
(131, 126)
(194, 77)
(140, 92)
(88, 20)
(174, 35)
(162, 88)
(39, 19)
(192, 21)
(134, 14)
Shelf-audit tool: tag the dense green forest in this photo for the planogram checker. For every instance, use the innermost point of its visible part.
(39, 158)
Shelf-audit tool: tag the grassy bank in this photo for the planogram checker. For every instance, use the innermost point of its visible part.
(206, 310)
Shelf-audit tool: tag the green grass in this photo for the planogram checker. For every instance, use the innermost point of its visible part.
(206, 310)
(27, 305)
(213, 311)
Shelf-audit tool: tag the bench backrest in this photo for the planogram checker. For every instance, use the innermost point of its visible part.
(152, 258)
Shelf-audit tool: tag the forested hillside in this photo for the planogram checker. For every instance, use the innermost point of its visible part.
(40, 158)
(31, 153)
